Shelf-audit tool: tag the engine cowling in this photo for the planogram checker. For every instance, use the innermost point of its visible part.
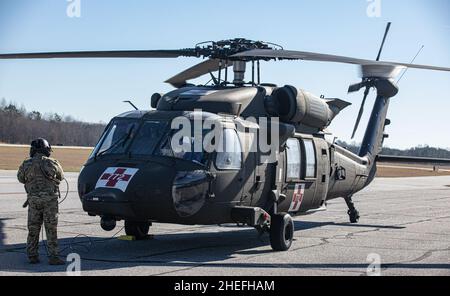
(295, 106)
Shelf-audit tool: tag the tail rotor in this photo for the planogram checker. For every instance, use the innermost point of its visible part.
(368, 83)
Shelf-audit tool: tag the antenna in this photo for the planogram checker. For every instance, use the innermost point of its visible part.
(129, 102)
(412, 61)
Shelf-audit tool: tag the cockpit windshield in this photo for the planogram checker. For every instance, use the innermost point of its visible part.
(116, 138)
(149, 138)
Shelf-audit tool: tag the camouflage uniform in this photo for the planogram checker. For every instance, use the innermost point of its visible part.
(41, 176)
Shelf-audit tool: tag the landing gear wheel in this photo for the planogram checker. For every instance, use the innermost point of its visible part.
(354, 216)
(137, 229)
(281, 231)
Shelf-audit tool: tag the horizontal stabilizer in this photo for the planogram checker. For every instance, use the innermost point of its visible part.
(338, 103)
(412, 159)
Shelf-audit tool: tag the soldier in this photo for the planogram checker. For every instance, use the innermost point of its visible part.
(41, 176)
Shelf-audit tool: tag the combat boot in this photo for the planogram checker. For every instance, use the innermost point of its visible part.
(56, 261)
(34, 260)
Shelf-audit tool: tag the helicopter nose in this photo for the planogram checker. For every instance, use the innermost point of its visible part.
(155, 190)
(125, 190)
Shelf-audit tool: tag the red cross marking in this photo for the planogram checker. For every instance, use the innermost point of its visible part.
(297, 198)
(117, 176)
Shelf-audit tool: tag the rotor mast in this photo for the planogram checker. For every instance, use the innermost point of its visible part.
(225, 50)
(239, 72)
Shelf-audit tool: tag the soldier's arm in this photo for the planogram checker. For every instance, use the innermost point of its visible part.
(21, 174)
(59, 172)
(54, 169)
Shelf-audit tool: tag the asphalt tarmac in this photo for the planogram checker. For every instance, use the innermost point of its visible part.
(404, 225)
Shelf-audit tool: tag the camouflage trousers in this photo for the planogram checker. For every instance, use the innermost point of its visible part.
(42, 210)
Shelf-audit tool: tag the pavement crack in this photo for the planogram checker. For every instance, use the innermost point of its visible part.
(428, 254)
(424, 256)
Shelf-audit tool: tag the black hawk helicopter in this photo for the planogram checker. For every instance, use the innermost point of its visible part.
(134, 173)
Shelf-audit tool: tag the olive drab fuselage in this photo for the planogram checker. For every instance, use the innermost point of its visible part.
(128, 184)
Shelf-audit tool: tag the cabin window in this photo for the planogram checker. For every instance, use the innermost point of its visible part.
(293, 159)
(310, 157)
(229, 151)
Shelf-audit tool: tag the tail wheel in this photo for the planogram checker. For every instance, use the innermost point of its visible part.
(354, 216)
(137, 229)
(281, 231)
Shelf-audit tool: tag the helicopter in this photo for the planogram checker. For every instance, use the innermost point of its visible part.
(143, 171)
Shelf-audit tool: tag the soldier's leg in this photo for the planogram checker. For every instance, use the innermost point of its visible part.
(35, 218)
(51, 224)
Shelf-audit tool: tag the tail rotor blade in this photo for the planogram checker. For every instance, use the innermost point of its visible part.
(361, 111)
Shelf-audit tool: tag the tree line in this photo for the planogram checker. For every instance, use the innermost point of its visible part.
(419, 151)
(18, 126)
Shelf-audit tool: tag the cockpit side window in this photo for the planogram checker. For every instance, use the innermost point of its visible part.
(310, 157)
(293, 163)
(229, 154)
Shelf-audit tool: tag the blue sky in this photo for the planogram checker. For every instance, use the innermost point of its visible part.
(93, 90)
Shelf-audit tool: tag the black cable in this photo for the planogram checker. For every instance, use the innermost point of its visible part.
(67, 191)
(73, 244)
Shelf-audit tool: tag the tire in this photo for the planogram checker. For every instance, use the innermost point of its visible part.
(137, 229)
(281, 232)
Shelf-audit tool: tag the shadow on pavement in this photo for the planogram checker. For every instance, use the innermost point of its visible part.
(300, 225)
(2, 234)
(208, 249)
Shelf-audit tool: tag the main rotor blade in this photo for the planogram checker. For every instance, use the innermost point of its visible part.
(198, 70)
(319, 57)
(361, 111)
(374, 70)
(384, 40)
(102, 54)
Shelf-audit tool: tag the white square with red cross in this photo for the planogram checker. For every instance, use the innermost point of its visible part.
(297, 198)
(116, 177)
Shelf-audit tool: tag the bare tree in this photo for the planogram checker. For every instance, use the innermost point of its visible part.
(17, 126)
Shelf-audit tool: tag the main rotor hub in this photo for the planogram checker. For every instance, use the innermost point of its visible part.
(224, 49)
